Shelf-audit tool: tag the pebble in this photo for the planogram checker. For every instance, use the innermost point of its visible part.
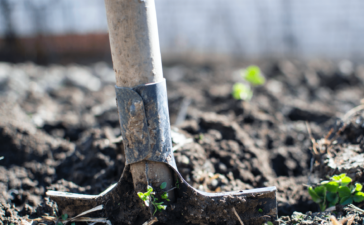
(185, 160)
(222, 168)
(214, 183)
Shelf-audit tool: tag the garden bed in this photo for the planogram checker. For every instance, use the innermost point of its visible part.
(59, 130)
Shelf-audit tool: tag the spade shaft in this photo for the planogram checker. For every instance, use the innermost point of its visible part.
(135, 52)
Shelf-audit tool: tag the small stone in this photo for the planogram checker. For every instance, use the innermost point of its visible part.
(185, 160)
(222, 168)
(214, 183)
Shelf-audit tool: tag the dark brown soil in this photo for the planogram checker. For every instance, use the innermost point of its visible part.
(59, 130)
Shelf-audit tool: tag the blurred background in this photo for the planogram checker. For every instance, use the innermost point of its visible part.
(63, 31)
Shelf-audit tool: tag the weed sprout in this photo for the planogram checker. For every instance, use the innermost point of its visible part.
(253, 78)
(337, 190)
(149, 197)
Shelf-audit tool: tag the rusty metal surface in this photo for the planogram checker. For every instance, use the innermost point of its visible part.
(144, 122)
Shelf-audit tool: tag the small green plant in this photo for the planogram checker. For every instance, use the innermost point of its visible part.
(149, 197)
(253, 75)
(337, 190)
(260, 210)
(253, 78)
(242, 92)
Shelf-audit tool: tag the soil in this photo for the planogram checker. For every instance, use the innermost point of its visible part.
(59, 130)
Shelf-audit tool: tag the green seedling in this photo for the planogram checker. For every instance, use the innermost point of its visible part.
(337, 190)
(146, 196)
(242, 92)
(253, 78)
(165, 196)
(149, 197)
(260, 210)
(253, 75)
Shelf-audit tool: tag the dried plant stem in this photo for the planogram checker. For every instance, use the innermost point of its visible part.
(236, 214)
(351, 112)
(311, 138)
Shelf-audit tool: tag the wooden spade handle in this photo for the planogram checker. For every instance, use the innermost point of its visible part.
(134, 42)
(135, 52)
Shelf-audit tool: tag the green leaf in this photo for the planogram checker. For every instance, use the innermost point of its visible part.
(314, 195)
(162, 207)
(342, 175)
(344, 191)
(358, 187)
(345, 181)
(141, 195)
(332, 186)
(164, 195)
(253, 75)
(322, 206)
(352, 188)
(73, 223)
(163, 185)
(336, 177)
(242, 92)
(358, 197)
(346, 200)
(321, 191)
(64, 216)
(149, 189)
(332, 198)
(269, 223)
(260, 210)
